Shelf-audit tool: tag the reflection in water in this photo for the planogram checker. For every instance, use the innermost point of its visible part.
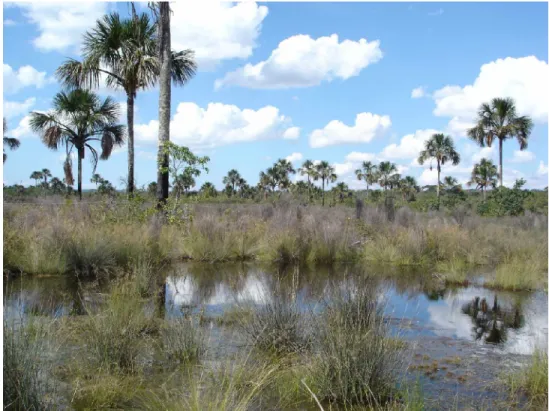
(491, 323)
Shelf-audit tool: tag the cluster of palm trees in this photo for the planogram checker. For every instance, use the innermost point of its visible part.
(314, 171)
(127, 54)
(56, 185)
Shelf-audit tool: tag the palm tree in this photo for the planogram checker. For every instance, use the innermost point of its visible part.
(242, 185)
(384, 172)
(125, 51)
(499, 119)
(342, 190)
(232, 178)
(208, 190)
(394, 181)
(96, 179)
(79, 118)
(408, 187)
(45, 174)
(484, 175)
(368, 173)
(285, 167)
(57, 186)
(308, 169)
(11, 142)
(326, 173)
(441, 148)
(449, 182)
(36, 176)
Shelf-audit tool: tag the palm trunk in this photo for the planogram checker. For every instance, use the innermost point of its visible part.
(500, 171)
(323, 193)
(367, 188)
(164, 105)
(80, 157)
(484, 193)
(129, 113)
(438, 178)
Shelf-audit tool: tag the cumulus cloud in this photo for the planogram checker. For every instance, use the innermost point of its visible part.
(484, 152)
(294, 157)
(25, 76)
(61, 24)
(357, 157)
(219, 124)
(23, 129)
(9, 22)
(301, 61)
(542, 169)
(367, 126)
(291, 134)
(429, 176)
(525, 79)
(418, 92)
(15, 108)
(522, 156)
(409, 147)
(216, 30)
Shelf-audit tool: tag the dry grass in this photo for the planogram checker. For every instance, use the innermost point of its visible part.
(102, 240)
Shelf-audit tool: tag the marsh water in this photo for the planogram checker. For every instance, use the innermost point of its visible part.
(459, 340)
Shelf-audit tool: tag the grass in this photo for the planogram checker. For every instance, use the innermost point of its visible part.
(96, 241)
(531, 381)
(356, 363)
(26, 383)
(182, 340)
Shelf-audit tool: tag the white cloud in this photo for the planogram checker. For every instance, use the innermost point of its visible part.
(291, 134)
(23, 129)
(219, 124)
(294, 157)
(418, 92)
(522, 156)
(146, 155)
(367, 126)
(62, 24)
(484, 152)
(429, 176)
(525, 79)
(301, 61)
(356, 157)
(26, 76)
(14, 108)
(62, 157)
(542, 169)
(216, 30)
(9, 22)
(409, 147)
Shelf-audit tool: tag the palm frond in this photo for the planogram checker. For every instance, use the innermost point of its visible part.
(183, 66)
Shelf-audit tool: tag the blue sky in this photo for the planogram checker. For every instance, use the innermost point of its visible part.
(323, 81)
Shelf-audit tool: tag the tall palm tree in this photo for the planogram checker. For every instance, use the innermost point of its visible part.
(11, 142)
(484, 175)
(499, 119)
(79, 118)
(441, 148)
(368, 173)
(342, 190)
(232, 178)
(36, 176)
(326, 173)
(408, 187)
(385, 170)
(125, 51)
(45, 174)
(208, 189)
(308, 169)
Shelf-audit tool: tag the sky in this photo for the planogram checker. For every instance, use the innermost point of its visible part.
(342, 82)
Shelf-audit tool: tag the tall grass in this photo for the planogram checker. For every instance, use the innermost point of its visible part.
(532, 381)
(182, 340)
(356, 363)
(96, 241)
(26, 379)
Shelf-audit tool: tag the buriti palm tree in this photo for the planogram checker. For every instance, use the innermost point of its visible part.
(499, 119)
(449, 182)
(78, 119)
(408, 186)
(484, 175)
(232, 178)
(368, 173)
(441, 148)
(384, 172)
(45, 174)
(308, 169)
(125, 52)
(36, 176)
(11, 142)
(326, 173)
